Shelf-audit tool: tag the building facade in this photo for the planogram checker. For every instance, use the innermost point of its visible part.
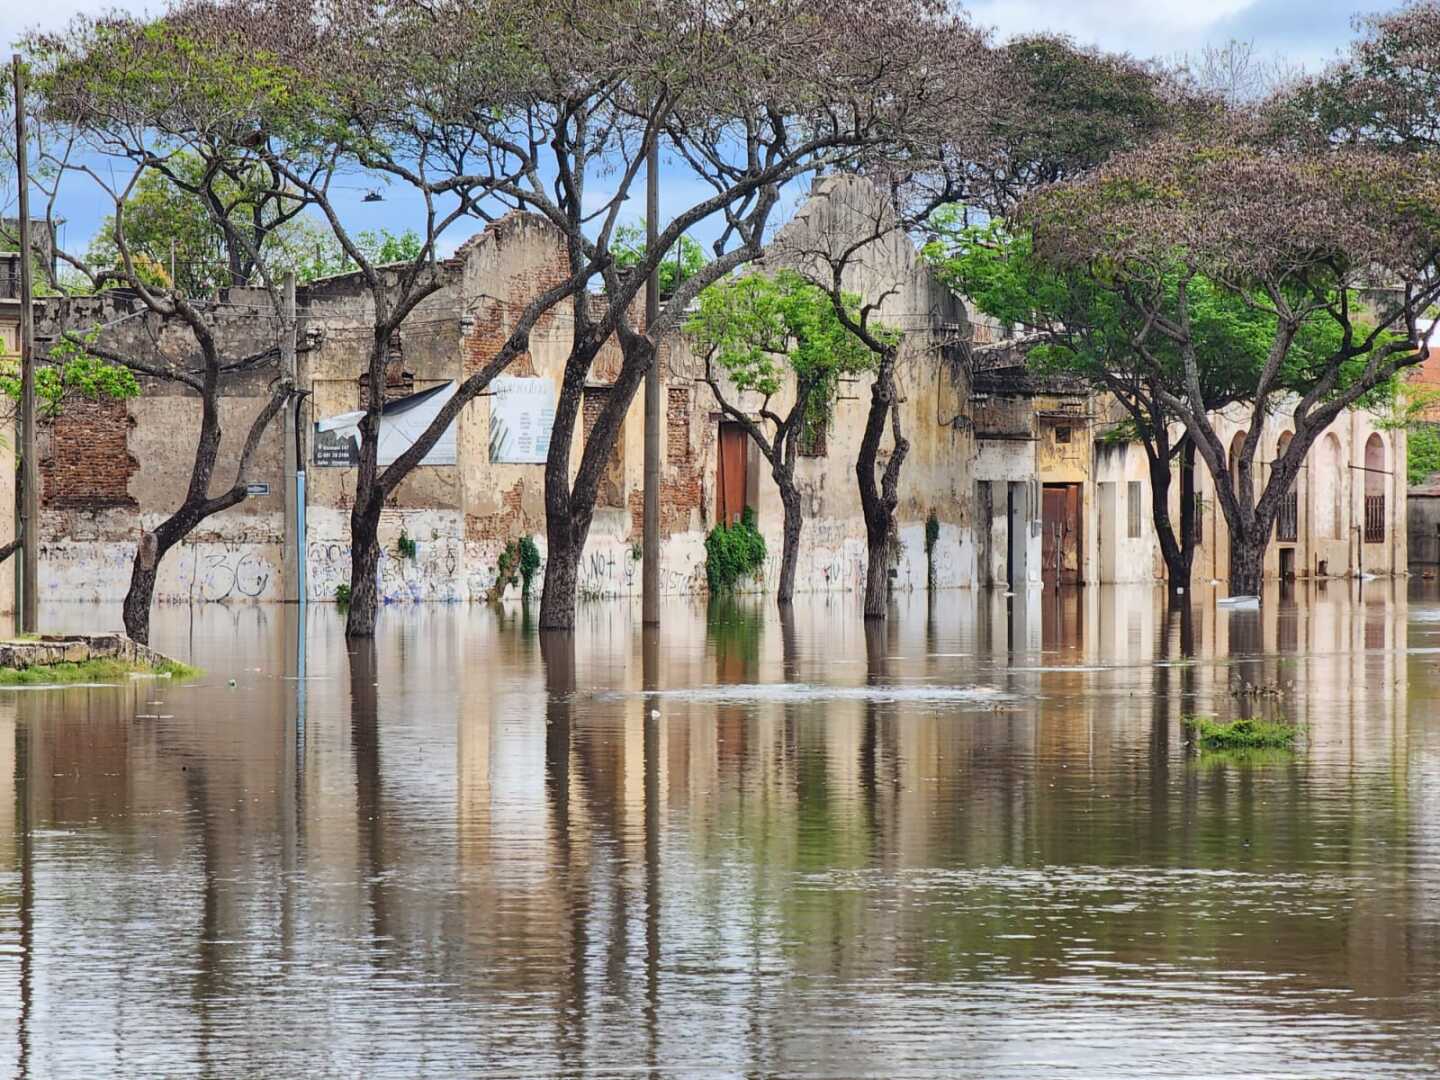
(1023, 478)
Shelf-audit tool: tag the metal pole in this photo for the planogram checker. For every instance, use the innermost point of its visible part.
(650, 566)
(29, 465)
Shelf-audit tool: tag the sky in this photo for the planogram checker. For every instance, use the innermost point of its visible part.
(1304, 32)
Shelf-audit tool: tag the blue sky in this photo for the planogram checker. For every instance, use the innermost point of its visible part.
(1307, 32)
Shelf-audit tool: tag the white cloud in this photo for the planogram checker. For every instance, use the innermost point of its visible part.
(1143, 27)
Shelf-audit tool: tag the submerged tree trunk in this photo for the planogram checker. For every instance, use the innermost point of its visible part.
(790, 545)
(196, 508)
(878, 501)
(364, 567)
(1247, 565)
(1177, 551)
(570, 507)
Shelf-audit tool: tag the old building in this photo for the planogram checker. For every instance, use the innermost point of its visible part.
(1023, 477)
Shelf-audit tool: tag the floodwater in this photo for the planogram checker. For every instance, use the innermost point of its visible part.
(973, 843)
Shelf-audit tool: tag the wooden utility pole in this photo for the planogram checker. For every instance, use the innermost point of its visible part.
(650, 565)
(29, 494)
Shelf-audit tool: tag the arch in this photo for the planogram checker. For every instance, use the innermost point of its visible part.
(1235, 444)
(1287, 524)
(1329, 490)
(1375, 469)
(1375, 464)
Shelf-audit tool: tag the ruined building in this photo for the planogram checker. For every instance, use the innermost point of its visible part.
(1016, 473)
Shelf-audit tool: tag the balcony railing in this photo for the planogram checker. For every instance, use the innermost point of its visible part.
(1287, 525)
(1374, 519)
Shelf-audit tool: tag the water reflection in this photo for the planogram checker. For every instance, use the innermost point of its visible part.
(969, 840)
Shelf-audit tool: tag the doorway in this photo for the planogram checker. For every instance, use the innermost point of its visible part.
(1060, 535)
(730, 479)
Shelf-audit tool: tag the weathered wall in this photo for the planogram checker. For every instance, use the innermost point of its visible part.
(109, 469)
(1331, 492)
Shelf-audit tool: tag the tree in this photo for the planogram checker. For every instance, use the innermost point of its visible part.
(1384, 95)
(689, 257)
(84, 90)
(756, 332)
(1301, 237)
(746, 100)
(1071, 323)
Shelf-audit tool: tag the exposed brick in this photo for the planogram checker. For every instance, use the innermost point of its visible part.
(677, 426)
(504, 523)
(612, 483)
(89, 464)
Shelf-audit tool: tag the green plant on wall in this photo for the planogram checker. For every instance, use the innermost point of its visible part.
(529, 556)
(405, 546)
(733, 552)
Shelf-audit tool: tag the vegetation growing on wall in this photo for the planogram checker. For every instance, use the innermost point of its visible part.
(733, 552)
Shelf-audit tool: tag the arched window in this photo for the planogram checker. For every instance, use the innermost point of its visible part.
(1330, 490)
(1375, 470)
(1287, 523)
(1235, 444)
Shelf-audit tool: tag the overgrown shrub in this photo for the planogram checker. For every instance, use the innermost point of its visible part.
(1248, 733)
(529, 563)
(732, 552)
(342, 594)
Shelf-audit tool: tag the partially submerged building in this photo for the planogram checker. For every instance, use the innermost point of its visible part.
(1023, 478)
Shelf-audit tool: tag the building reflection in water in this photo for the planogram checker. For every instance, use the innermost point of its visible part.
(970, 838)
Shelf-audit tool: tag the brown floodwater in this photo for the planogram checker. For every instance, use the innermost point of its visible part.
(973, 842)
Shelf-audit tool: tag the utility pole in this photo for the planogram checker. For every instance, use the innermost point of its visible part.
(294, 509)
(29, 466)
(650, 564)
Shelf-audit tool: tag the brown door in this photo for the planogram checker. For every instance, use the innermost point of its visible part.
(1060, 539)
(730, 474)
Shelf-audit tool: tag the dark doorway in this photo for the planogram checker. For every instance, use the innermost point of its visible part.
(1060, 539)
(1287, 564)
(730, 474)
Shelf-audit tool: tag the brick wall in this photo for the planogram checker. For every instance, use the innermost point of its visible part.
(677, 426)
(89, 464)
(612, 482)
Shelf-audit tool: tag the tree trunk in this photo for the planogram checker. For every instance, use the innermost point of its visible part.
(562, 578)
(138, 599)
(1177, 551)
(790, 545)
(1247, 565)
(877, 579)
(878, 501)
(364, 564)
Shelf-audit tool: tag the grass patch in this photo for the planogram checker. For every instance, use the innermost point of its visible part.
(90, 671)
(1248, 733)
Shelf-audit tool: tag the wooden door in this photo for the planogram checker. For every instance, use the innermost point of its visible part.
(730, 474)
(1060, 535)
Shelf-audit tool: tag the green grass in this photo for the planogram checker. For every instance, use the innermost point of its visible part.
(90, 671)
(1248, 733)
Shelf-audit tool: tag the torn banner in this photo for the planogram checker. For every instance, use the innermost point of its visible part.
(402, 421)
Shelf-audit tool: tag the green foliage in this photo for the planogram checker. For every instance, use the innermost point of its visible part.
(169, 227)
(1248, 733)
(932, 533)
(681, 263)
(91, 671)
(732, 552)
(529, 563)
(71, 372)
(405, 546)
(758, 326)
(320, 255)
(342, 594)
(1085, 328)
(1424, 453)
